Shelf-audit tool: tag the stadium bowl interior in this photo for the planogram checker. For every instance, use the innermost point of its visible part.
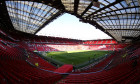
(26, 58)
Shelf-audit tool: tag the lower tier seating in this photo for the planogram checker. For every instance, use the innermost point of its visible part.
(121, 74)
(14, 69)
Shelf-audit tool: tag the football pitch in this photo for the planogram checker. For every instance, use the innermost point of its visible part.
(76, 57)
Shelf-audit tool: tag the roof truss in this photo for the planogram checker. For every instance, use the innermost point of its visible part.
(117, 18)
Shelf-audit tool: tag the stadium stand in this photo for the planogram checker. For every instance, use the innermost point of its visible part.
(41, 63)
(18, 56)
(117, 71)
(65, 46)
(15, 67)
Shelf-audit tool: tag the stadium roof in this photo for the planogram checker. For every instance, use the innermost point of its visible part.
(119, 19)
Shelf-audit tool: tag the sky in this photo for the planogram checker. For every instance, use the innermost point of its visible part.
(69, 26)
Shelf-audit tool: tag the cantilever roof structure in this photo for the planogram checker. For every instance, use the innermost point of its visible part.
(30, 16)
(120, 19)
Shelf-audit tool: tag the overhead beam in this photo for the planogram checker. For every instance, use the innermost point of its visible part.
(76, 3)
(90, 5)
(42, 1)
(50, 20)
(117, 1)
(95, 24)
(58, 5)
(53, 3)
(100, 27)
(120, 10)
(125, 29)
(127, 37)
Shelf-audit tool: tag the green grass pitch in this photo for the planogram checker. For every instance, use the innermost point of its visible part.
(76, 57)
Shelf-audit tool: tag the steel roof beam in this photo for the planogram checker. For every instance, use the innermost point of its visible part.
(90, 5)
(124, 29)
(117, 1)
(95, 24)
(76, 3)
(50, 20)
